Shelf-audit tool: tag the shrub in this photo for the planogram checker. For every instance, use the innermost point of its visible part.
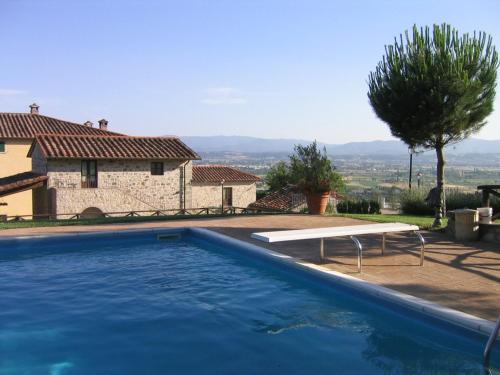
(312, 172)
(261, 194)
(309, 170)
(362, 206)
(374, 207)
(278, 176)
(413, 202)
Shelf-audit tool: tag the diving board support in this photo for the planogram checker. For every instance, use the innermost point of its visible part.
(357, 244)
(359, 247)
(422, 247)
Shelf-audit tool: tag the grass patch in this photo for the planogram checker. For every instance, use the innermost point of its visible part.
(424, 222)
(108, 220)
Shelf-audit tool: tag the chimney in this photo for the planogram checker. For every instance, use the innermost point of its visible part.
(88, 123)
(103, 124)
(34, 109)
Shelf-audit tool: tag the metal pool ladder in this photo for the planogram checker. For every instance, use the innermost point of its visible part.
(489, 344)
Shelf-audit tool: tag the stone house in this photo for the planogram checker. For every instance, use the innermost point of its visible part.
(17, 132)
(78, 169)
(111, 174)
(219, 185)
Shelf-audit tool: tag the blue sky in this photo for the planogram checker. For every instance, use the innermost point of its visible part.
(287, 69)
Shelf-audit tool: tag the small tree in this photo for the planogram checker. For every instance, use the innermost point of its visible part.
(435, 88)
(278, 176)
(312, 171)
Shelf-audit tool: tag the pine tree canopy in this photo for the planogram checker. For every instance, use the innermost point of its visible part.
(434, 87)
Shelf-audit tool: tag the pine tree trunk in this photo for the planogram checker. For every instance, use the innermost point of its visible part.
(441, 209)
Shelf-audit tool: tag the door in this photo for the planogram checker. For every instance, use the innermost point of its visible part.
(227, 196)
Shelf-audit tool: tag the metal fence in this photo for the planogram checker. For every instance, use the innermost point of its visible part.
(204, 211)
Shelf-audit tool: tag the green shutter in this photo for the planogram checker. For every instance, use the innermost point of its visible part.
(2, 146)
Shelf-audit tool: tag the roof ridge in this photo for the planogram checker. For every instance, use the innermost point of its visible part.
(104, 136)
(40, 115)
(28, 125)
(214, 166)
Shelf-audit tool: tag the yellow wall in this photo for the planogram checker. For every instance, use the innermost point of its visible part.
(12, 161)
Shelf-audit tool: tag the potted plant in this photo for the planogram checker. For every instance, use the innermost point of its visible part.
(314, 175)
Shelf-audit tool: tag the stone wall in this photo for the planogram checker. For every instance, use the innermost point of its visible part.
(210, 195)
(490, 232)
(123, 185)
(127, 185)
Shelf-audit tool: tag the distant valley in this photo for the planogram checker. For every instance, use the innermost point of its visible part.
(241, 144)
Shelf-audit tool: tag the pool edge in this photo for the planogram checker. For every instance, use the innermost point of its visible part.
(434, 310)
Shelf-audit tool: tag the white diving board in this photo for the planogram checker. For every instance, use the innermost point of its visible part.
(348, 231)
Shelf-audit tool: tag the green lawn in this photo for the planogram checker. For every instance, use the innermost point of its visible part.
(424, 222)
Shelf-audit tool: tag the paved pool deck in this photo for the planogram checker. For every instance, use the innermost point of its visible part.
(461, 275)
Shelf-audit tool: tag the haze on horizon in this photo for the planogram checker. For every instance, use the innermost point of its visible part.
(270, 69)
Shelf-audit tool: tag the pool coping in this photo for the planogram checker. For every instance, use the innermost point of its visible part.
(431, 309)
(420, 305)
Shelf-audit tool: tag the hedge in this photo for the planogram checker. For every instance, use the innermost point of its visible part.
(362, 206)
(413, 201)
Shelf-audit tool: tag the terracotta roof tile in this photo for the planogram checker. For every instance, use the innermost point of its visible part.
(285, 199)
(217, 173)
(109, 147)
(20, 181)
(27, 126)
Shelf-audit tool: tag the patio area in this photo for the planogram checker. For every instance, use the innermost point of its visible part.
(462, 276)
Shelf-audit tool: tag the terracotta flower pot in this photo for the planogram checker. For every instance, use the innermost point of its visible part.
(317, 202)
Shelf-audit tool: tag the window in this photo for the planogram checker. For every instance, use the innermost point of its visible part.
(2, 146)
(227, 196)
(157, 168)
(89, 174)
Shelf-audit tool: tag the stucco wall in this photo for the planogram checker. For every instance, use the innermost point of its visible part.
(210, 195)
(123, 185)
(14, 160)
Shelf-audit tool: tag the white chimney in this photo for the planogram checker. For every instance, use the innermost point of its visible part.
(88, 123)
(103, 124)
(34, 109)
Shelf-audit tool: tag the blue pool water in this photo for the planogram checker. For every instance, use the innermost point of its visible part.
(136, 305)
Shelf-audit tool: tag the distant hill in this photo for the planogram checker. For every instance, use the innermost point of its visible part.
(222, 143)
(264, 145)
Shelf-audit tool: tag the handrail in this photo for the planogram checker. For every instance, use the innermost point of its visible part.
(489, 344)
(359, 247)
(422, 247)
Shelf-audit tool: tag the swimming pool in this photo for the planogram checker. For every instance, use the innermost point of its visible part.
(179, 302)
